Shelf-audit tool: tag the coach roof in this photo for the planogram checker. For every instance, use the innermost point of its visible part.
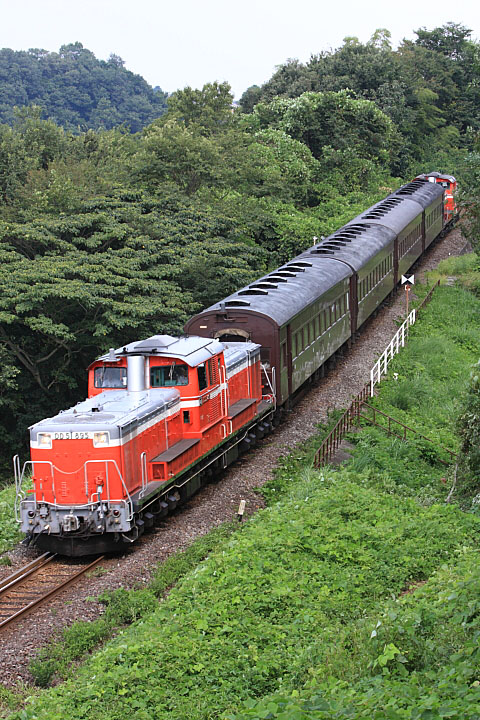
(354, 243)
(395, 212)
(422, 191)
(285, 292)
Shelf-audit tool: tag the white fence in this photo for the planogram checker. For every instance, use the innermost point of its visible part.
(398, 341)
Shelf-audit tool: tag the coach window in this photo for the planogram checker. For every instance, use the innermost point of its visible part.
(202, 376)
(284, 355)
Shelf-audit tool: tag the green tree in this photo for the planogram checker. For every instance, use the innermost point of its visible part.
(470, 198)
(336, 128)
(174, 153)
(209, 109)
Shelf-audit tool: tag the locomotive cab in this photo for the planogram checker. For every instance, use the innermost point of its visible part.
(449, 183)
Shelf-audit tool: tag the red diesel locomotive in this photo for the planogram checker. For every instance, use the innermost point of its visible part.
(161, 416)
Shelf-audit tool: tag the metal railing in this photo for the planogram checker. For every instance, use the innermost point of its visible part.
(403, 430)
(20, 494)
(398, 341)
(351, 416)
(428, 296)
(330, 445)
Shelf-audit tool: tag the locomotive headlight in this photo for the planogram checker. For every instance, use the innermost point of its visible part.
(101, 439)
(44, 440)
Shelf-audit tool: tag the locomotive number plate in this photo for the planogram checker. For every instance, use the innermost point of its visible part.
(70, 436)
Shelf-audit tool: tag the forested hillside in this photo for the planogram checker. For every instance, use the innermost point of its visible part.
(76, 90)
(428, 87)
(107, 236)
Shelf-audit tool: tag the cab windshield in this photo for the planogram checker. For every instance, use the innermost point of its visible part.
(168, 375)
(110, 377)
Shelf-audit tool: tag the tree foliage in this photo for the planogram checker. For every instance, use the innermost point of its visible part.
(429, 87)
(469, 426)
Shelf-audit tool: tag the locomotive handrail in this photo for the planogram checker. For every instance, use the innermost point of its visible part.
(21, 475)
(271, 384)
(143, 465)
(128, 502)
(19, 494)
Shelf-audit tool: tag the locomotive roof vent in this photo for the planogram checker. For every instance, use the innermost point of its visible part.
(286, 273)
(375, 215)
(237, 303)
(391, 202)
(344, 238)
(361, 227)
(346, 232)
(296, 267)
(300, 264)
(322, 251)
(411, 188)
(332, 245)
(383, 208)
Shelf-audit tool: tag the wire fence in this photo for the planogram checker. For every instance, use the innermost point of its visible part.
(354, 413)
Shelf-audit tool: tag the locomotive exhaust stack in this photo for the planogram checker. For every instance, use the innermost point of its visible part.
(135, 373)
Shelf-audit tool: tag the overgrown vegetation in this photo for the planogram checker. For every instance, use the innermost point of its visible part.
(469, 429)
(263, 613)
(122, 607)
(9, 530)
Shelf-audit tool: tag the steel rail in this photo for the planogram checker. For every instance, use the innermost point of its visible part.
(24, 572)
(20, 576)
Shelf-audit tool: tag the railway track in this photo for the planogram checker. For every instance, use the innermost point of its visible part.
(36, 583)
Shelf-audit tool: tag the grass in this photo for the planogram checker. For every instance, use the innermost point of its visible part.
(122, 607)
(262, 612)
(464, 268)
(9, 529)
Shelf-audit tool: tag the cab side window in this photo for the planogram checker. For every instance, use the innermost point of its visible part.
(202, 377)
